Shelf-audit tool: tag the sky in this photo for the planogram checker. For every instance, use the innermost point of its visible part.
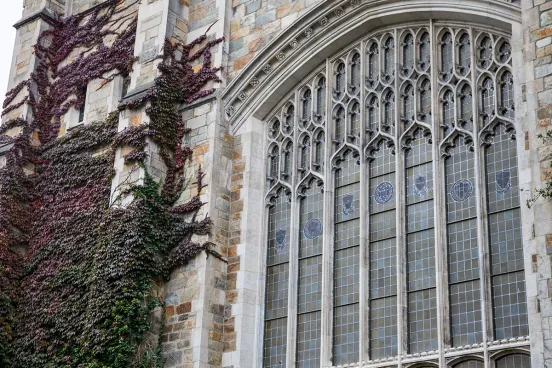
(10, 13)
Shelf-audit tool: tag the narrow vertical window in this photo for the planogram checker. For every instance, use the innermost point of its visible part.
(289, 119)
(274, 165)
(383, 255)
(372, 74)
(339, 133)
(305, 156)
(506, 243)
(485, 52)
(355, 71)
(277, 280)
(448, 112)
(125, 86)
(408, 54)
(306, 106)
(346, 261)
(389, 111)
(464, 61)
(372, 114)
(288, 161)
(320, 141)
(340, 78)
(408, 106)
(463, 252)
(446, 56)
(389, 59)
(507, 95)
(321, 99)
(487, 97)
(425, 101)
(82, 106)
(420, 246)
(504, 52)
(425, 52)
(355, 123)
(309, 301)
(466, 112)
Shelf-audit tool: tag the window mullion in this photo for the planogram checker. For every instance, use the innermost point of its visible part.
(293, 254)
(402, 313)
(482, 220)
(364, 276)
(439, 208)
(326, 342)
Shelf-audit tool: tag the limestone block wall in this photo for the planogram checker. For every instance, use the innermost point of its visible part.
(255, 23)
(534, 109)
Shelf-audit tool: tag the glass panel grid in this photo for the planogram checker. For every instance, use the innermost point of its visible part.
(383, 269)
(346, 276)
(514, 361)
(460, 179)
(383, 328)
(346, 334)
(465, 313)
(506, 242)
(463, 251)
(421, 260)
(275, 343)
(278, 230)
(422, 321)
(509, 305)
(308, 340)
(310, 284)
(312, 209)
(277, 281)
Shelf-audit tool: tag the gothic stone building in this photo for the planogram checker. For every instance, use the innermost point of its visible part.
(368, 166)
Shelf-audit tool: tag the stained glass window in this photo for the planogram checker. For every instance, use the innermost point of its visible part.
(414, 213)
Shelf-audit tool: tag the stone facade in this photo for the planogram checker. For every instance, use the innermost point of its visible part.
(214, 308)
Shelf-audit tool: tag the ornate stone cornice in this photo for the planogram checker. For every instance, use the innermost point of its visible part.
(326, 29)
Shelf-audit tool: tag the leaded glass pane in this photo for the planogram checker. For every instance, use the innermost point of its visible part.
(308, 340)
(275, 343)
(355, 122)
(465, 313)
(446, 56)
(422, 321)
(470, 364)
(389, 59)
(346, 334)
(372, 114)
(278, 230)
(339, 132)
(277, 280)
(419, 183)
(514, 361)
(509, 305)
(383, 328)
(408, 105)
(321, 97)
(346, 276)
(305, 156)
(320, 141)
(506, 242)
(419, 216)
(487, 96)
(288, 161)
(460, 179)
(425, 100)
(425, 52)
(507, 95)
(289, 120)
(340, 78)
(306, 104)
(389, 113)
(464, 52)
(355, 70)
(372, 73)
(485, 52)
(463, 252)
(421, 260)
(448, 111)
(466, 111)
(311, 218)
(310, 284)
(408, 54)
(274, 160)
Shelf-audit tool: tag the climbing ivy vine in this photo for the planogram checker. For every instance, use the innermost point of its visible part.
(77, 269)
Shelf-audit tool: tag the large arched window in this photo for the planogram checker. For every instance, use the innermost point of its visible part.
(401, 218)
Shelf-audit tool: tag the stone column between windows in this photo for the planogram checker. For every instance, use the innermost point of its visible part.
(532, 50)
